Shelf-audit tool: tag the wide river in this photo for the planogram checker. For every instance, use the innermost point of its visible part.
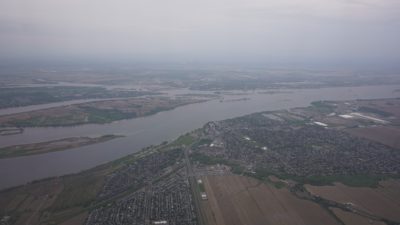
(152, 130)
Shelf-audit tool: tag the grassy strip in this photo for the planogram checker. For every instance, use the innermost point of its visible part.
(207, 160)
(186, 140)
(201, 142)
(201, 187)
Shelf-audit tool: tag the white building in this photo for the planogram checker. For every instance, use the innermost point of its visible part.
(203, 195)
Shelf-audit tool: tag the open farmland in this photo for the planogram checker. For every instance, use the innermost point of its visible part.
(237, 200)
(383, 201)
(386, 135)
(386, 109)
(28, 202)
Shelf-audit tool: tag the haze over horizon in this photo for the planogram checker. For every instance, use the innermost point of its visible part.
(298, 31)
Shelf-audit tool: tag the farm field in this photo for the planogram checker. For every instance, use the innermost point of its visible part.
(383, 201)
(237, 200)
(386, 135)
(79, 219)
(29, 201)
(352, 219)
(54, 200)
(381, 107)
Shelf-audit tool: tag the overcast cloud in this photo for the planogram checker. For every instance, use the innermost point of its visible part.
(190, 30)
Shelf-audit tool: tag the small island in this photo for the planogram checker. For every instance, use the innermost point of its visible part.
(52, 146)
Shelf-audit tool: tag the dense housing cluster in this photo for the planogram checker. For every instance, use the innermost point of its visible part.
(169, 201)
(287, 143)
(140, 172)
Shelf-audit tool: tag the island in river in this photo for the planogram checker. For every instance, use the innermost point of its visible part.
(25, 96)
(52, 146)
(96, 112)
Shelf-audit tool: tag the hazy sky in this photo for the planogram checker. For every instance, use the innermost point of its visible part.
(196, 30)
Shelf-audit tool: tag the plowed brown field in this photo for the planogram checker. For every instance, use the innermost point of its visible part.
(382, 201)
(239, 200)
(386, 135)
